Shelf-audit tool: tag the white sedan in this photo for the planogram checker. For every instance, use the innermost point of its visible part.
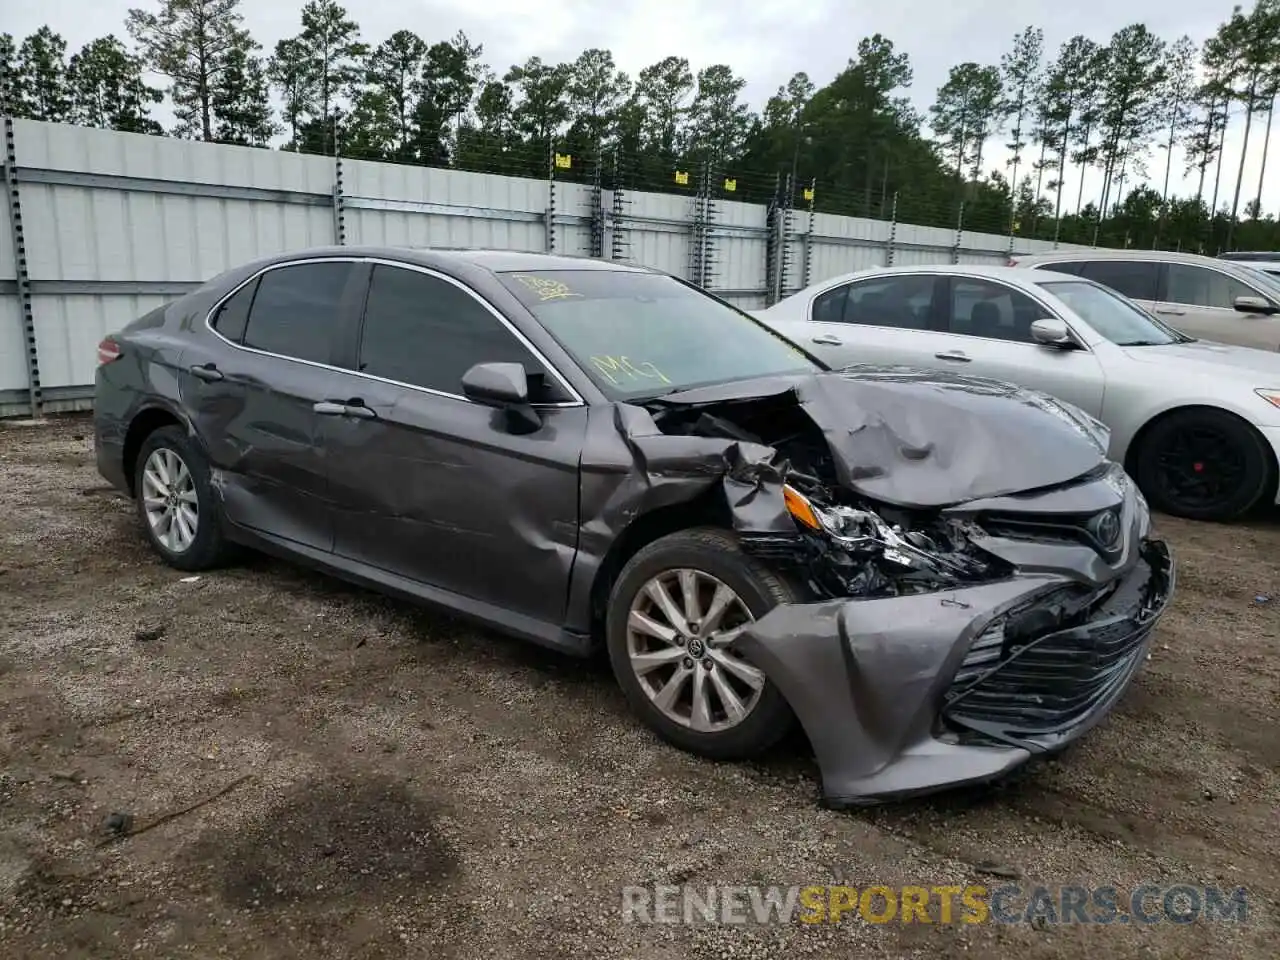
(1196, 424)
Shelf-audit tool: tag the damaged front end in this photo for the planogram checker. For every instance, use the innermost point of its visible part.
(982, 591)
(837, 543)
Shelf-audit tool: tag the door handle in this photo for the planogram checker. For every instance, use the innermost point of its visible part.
(337, 408)
(1166, 311)
(827, 340)
(955, 355)
(207, 372)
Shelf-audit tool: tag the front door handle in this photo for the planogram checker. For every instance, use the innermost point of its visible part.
(337, 408)
(207, 372)
(956, 356)
(827, 340)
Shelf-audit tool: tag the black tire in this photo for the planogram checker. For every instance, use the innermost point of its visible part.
(1249, 476)
(717, 553)
(208, 548)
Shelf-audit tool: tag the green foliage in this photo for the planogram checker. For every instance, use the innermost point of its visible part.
(854, 145)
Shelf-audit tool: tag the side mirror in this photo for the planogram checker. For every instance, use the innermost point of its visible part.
(1052, 332)
(1254, 305)
(496, 384)
(505, 386)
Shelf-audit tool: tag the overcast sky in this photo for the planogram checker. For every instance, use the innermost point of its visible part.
(764, 40)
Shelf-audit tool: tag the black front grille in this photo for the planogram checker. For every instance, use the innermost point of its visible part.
(1042, 669)
(1067, 528)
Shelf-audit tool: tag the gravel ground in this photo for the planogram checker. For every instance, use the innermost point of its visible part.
(401, 785)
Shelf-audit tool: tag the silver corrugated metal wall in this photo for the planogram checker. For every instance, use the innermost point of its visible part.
(100, 227)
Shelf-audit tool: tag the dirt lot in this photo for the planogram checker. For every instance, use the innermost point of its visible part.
(418, 788)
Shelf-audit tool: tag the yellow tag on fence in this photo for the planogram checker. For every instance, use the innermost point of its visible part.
(682, 177)
(564, 161)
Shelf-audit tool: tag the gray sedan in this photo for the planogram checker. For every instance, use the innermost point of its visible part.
(938, 576)
(1197, 424)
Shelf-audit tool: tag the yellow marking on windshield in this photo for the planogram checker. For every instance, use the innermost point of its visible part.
(618, 369)
(545, 288)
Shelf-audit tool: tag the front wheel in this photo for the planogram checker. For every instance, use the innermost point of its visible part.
(674, 616)
(1203, 465)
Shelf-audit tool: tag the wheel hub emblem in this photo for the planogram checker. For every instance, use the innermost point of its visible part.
(696, 648)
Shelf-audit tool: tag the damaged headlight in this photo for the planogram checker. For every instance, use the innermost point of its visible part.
(859, 530)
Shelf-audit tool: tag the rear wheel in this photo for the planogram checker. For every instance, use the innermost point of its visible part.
(675, 614)
(176, 503)
(1203, 465)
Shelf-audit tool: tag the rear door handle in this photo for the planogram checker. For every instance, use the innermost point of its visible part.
(954, 355)
(827, 340)
(207, 372)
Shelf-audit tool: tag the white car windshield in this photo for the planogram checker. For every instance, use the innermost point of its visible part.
(1112, 315)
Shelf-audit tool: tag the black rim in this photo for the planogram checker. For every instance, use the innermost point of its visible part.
(1199, 468)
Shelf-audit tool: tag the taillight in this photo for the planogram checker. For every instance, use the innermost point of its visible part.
(108, 350)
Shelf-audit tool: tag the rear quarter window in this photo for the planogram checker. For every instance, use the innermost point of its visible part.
(233, 315)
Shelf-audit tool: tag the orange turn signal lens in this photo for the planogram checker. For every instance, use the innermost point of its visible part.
(799, 508)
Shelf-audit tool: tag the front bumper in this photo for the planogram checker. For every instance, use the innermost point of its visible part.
(907, 695)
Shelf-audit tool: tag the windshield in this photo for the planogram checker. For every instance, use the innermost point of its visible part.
(644, 334)
(1113, 316)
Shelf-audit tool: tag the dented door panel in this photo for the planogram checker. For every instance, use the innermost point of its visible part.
(444, 492)
(261, 435)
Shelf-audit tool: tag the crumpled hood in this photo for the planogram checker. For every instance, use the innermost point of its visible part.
(921, 438)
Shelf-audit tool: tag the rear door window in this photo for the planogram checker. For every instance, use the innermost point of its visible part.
(297, 311)
(1135, 279)
(904, 302)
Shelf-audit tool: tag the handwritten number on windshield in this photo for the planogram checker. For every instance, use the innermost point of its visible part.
(619, 370)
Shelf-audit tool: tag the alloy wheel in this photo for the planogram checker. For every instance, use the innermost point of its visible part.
(170, 500)
(1199, 467)
(680, 634)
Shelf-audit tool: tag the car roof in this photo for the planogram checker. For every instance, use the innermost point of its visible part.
(456, 261)
(1256, 256)
(1103, 253)
(1015, 275)
(502, 261)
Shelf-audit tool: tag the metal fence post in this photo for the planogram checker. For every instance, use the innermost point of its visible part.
(893, 231)
(339, 206)
(619, 243)
(21, 276)
(806, 269)
(551, 197)
(771, 244)
(785, 236)
(955, 250)
(596, 207)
